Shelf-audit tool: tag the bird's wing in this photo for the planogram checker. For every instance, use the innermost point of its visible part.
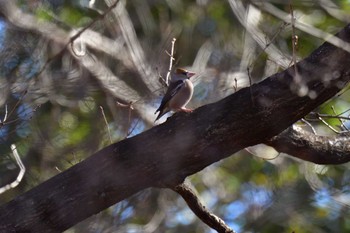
(173, 88)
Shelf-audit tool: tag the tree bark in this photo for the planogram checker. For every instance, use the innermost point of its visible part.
(193, 202)
(166, 154)
(310, 147)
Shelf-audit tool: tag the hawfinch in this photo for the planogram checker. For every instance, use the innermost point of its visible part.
(179, 93)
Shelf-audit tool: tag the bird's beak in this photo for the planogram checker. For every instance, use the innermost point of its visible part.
(190, 74)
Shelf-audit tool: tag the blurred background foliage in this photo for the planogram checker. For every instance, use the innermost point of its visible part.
(52, 105)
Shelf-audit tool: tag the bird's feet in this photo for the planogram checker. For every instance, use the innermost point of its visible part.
(183, 109)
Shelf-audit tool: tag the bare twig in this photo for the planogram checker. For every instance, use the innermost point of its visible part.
(316, 115)
(235, 87)
(340, 120)
(17, 103)
(328, 125)
(106, 122)
(20, 174)
(199, 209)
(297, 77)
(294, 36)
(171, 61)
(133, 128)
(5, 117)
(129, 105)
(309, 124)
(270, 42)
(160, 78)
(5, 120)
(347, 110)
(59, 170)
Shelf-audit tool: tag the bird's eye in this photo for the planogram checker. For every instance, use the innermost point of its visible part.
(185, 73)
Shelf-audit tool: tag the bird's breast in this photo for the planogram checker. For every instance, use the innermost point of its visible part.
(183, 96)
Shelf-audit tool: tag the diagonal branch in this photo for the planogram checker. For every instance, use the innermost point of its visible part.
(199, 209)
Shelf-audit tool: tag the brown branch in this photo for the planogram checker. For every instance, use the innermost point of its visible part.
(200, 210)
(185, 144)
(310, 147)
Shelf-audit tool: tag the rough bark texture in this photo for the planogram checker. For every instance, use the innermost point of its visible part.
(310, 147)
(166, 154)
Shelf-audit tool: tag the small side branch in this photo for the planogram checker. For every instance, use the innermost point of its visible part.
(171, 61)
(200, 210)
(310, 147)
(328, 125)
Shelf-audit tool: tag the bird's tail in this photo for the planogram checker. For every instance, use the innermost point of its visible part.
(161, 113)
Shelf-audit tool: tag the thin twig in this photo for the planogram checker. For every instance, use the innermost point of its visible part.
(20, 174)
(337, 116)
(328, 125)
(129, 105)
(160, 78)
(7, 122)
(294, 36)
(133, 128)
(309, 124)
(106, 122)
(17, 103)
(297, 77)
(340, 120)
(274, 37)
(129, 120)
(171, 61)
(200, 210)
(5, 117)
(347, 110)
(235, 87)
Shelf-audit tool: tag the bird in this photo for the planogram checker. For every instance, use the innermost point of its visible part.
(179, 93)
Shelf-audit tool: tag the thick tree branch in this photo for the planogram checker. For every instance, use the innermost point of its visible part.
(166, 154)
(199, 209)
(310, 147)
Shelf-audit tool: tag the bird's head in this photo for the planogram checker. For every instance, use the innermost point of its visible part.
(182, 74)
